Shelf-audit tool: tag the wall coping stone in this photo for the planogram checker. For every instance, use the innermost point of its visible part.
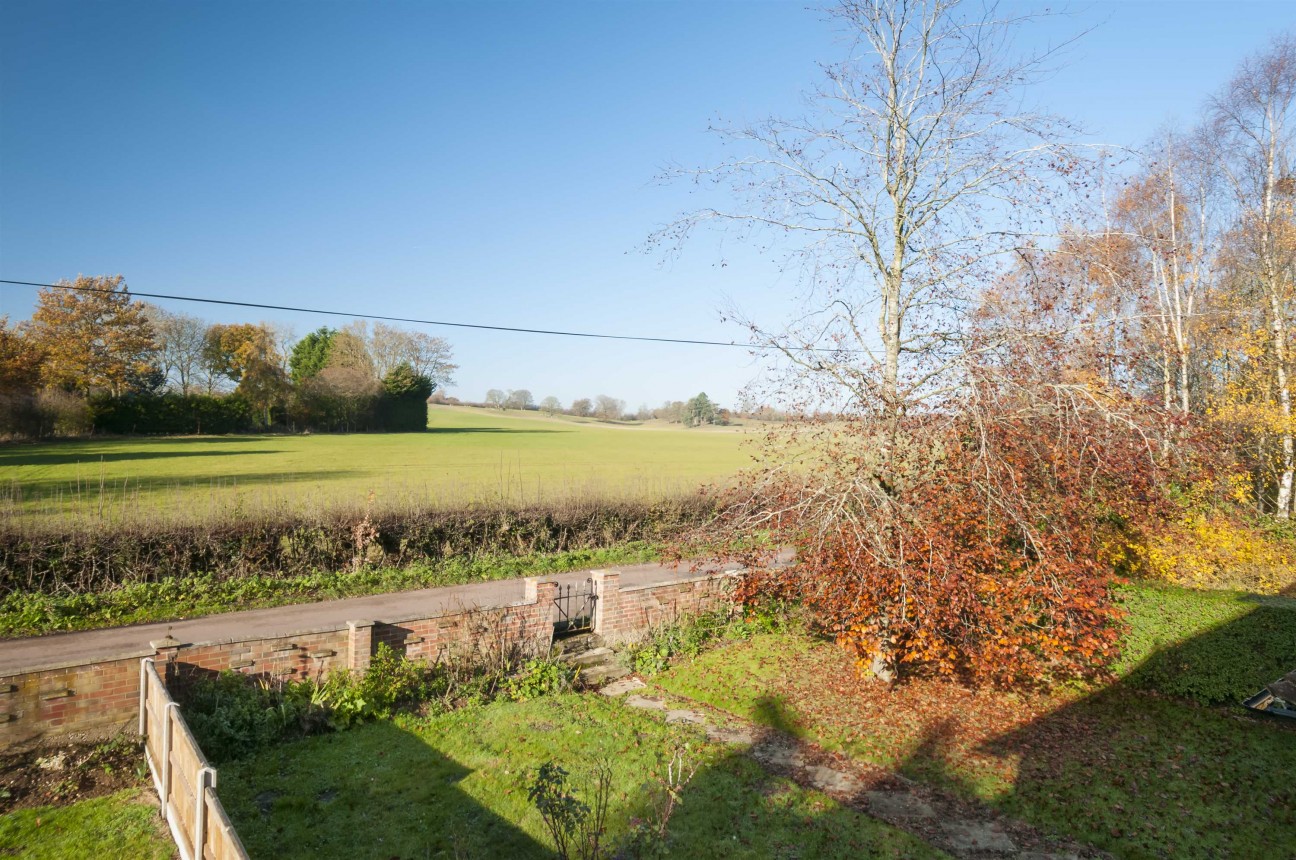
(701, 577)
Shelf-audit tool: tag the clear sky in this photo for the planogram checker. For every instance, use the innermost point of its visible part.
(482, 162)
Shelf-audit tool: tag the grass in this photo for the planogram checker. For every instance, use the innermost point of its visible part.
(466, 455)
(455, 785)
(1127, 767)
(118, 825)
(28, 613)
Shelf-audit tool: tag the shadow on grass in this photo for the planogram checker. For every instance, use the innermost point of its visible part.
(455, 431)
(458, 788)
(379, 793)
(1140, 769)
(89, 488)
(91, 458)
(735, 808)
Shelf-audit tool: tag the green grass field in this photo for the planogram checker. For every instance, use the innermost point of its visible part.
(466, 455)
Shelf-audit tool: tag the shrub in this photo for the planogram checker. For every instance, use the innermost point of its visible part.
(74, 559)
(1215, 550)
(964, 546)
(170, 413)
(62, 414)
(540, 677)
(232, 716)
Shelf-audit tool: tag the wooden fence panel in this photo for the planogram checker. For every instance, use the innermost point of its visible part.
(199, 825)
(222, 840)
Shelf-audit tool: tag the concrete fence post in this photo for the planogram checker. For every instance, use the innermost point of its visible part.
(206, 779)
(143, 695)
(360, 649)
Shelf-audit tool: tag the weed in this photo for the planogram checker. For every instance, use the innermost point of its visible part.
(540, 677)
(689, 637)
(577, 827)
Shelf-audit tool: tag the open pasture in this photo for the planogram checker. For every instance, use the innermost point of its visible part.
(466, 455)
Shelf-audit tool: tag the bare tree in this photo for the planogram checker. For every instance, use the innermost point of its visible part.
(495, 398)
(914, 174)
(429, 356)
(550, 405)
(582, 407)
(1253, 121)
(519, 398)
(1168, 213)
(608, 408)
(180, 339)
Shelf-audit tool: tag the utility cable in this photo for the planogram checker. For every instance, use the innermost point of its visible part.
(414, 321)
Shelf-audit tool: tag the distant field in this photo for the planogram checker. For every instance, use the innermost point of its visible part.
(466, 455)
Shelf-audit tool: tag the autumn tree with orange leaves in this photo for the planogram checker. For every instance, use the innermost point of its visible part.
(92, 336)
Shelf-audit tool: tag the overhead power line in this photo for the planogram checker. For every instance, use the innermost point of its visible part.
(414, 321)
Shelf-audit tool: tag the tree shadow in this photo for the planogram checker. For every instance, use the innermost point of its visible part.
(9, 458)
(1137, 768)
(373, 792)
(741, 805)
(455, 431)
(90, 487)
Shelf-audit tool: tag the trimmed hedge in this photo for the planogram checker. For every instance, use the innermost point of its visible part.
(171, 414)
(86, 561)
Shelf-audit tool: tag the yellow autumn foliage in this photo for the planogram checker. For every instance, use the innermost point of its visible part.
(1213, 551)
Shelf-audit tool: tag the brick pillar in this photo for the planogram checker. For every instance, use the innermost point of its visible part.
(361, 645)
(165, 652)
(541, 635)
(607, 618)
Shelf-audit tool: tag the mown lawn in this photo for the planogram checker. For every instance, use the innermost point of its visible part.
(122, 825)
(466, 455)
(1134, 766)
(455, 785)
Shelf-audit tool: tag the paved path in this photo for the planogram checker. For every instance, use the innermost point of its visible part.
(965, 830)
(62, 649)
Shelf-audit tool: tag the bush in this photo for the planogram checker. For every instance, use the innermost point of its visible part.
(540, 677)
(1215, 550)
(969, 547)
(232, 716)
(76, 560)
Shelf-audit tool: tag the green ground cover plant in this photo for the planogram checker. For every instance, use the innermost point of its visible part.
(233, 715)
(32, 612)
(456, 785)
(466, 455)
(1133, 765)
(124, 824)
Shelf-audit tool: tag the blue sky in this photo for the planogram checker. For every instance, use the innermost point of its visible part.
(478, 162)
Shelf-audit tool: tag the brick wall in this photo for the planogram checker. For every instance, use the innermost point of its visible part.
(103, 697)
(625, 614)
(92, 697)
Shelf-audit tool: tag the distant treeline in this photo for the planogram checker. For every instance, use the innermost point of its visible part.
(93, 360)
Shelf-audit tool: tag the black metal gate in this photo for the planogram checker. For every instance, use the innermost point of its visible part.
(574, 607)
